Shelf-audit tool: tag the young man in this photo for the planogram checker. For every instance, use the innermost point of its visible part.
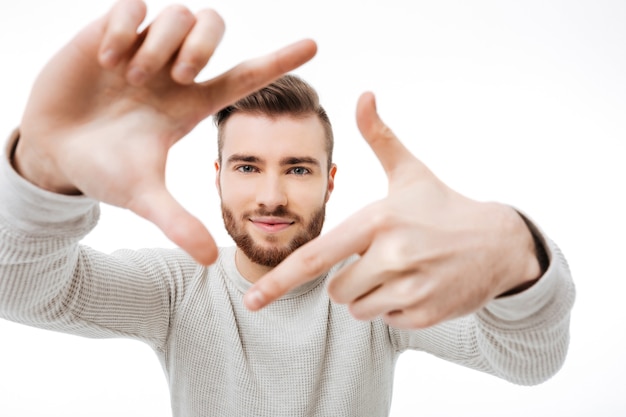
(435, 271)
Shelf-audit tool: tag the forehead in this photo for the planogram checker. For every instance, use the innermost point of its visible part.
(283, 135)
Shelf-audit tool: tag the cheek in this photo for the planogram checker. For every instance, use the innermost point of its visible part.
(308, 197)
(235, 193)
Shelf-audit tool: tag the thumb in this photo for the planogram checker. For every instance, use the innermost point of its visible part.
(392, 154)
(159, 207)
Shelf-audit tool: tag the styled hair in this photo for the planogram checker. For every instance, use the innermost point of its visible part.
(287, 96)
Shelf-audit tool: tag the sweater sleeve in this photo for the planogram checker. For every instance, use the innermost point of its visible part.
(49, 280)
(522, 338)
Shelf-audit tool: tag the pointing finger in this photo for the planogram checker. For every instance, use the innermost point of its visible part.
(353, 236)
(159, 207)
(254, 74)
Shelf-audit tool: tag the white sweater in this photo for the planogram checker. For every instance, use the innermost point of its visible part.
(301, 356)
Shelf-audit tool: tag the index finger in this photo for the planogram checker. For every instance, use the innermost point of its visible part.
(251, 75)
(308, 262)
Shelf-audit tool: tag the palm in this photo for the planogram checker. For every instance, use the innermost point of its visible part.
(98, 134)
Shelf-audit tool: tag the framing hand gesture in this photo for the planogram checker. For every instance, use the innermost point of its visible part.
(427, 253)
(106, 109)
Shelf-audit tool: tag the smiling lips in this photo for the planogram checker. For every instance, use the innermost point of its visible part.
(271, 224)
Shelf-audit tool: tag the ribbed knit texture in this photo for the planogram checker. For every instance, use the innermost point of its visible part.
(301, 356)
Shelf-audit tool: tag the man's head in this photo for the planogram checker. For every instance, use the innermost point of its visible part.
(288, 96)
(275, 171)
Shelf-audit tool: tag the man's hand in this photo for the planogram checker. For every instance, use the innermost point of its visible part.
(428, 254)
(106, 109)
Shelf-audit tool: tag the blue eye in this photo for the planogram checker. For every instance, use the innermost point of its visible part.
(300, 171)
(245, 169)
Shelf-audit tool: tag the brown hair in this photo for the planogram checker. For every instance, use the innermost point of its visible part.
(289, 95)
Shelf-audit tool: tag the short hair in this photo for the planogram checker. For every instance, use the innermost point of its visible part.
(287, 96)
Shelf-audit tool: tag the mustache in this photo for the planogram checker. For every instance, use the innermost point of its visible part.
(280, 211)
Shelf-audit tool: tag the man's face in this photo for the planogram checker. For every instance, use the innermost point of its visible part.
(274, 183)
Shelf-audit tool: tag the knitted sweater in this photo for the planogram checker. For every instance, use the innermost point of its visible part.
(301, 356)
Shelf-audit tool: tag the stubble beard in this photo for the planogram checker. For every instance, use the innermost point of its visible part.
(274, 255)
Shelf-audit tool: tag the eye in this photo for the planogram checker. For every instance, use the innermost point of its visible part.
(300, 171)
(246, 169)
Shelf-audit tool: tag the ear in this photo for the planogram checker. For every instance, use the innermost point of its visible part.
(331, 181)
(217, 177)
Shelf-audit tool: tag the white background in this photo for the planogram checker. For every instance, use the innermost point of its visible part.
(521, 102)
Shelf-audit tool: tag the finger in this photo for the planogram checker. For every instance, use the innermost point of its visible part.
(163, 39)
(198, 47)
(159, 207)
(414, 318)
(353, 236)
(362, 277)
(120, 33)
(395, 294)
(252, 75)
(392, 154)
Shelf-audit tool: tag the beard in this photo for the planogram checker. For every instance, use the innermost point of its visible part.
(274, 255)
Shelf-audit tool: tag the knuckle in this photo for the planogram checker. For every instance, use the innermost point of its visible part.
(382, 134)
(381, 217)
(196, 56)
(398, 258)
(196, 53)
(312, 264)
(407, 291)
(147, 61)
(119, 36)
(385, 132)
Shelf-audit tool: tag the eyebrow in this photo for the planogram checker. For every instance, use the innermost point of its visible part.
(243, 158)
(289, 160)
(296, 160)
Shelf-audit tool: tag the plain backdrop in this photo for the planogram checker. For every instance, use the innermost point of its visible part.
(522, 102)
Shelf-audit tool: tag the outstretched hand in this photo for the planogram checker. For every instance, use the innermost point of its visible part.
(106, 109)
(427, 253)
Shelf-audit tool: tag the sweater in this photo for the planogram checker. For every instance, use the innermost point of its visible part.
(303, 355)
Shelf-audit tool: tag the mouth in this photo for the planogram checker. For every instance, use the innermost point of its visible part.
(271, 224)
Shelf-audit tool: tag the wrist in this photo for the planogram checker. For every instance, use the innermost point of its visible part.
(536, 258)
(32, 169)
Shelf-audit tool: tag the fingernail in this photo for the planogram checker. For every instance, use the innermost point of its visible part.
(184, 72)
(137, 76)
(254, 300)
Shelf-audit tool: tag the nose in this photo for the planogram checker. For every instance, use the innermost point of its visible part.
(271, 193)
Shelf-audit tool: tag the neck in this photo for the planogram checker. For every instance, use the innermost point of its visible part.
(251, 271)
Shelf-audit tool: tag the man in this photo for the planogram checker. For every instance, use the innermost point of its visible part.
(467, 281)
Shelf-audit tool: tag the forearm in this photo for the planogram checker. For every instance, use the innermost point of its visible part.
(48, 280)
(522, 338)
(527, 335)
(39, 235)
